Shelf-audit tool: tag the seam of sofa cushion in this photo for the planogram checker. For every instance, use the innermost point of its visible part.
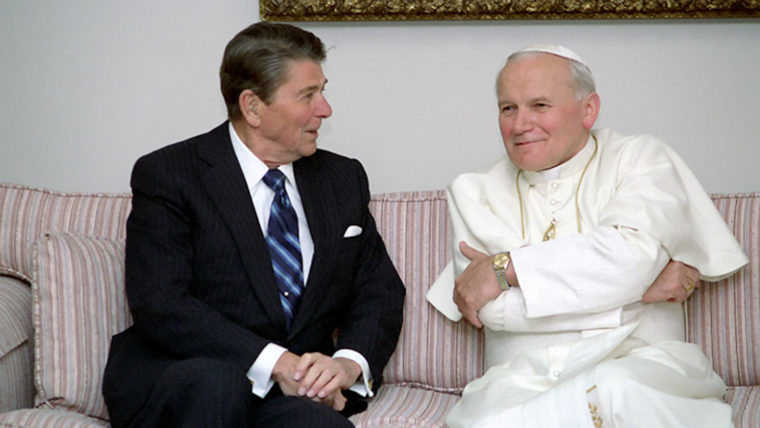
(418, 385)
(4, 270)
(5, 352)
(16, 186)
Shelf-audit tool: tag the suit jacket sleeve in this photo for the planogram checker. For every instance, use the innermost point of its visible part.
(168, 313)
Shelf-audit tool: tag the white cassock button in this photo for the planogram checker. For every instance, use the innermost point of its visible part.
(554, 202)
(556, 373)
(555, 185)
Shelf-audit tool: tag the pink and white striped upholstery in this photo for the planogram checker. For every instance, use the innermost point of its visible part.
(79, 303)
(433, 352)
(434, 359)
(401, 406)
(36, 418)
(27, 213)
(16, 390)
(745, 405)
(724, 317)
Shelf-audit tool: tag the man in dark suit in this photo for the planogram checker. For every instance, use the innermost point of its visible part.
(261, 292)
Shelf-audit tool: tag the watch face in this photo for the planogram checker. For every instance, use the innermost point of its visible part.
(500, 260)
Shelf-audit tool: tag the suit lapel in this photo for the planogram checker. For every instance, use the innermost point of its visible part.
(226, 185)
(314, 192)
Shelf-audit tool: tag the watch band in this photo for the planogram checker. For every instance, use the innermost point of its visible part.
(500, 261)
(501, 276)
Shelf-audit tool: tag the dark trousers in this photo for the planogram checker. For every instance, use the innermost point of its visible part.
(208, 393)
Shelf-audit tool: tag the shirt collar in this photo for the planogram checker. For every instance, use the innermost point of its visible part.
(254, 168)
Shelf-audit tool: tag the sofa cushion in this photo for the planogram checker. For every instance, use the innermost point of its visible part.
(433, 352)
(27, 213)
(745, 405)
(16, 390)
(78, 304)
(35, 418)
(723, 317)
(15, 313)
(404, 406)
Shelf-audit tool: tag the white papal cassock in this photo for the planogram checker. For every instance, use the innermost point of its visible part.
(574, 345)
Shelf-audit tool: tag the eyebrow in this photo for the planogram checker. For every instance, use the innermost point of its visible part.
(542, 98)
(312, 88)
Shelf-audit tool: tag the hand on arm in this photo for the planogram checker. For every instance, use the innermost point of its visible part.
(675, 284)
(477, 285)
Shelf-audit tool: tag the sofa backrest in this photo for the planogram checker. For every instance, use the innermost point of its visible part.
(724, 317)
(26, 214)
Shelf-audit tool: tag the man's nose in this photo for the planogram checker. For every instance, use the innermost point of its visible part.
(323, 109)
(523, 121)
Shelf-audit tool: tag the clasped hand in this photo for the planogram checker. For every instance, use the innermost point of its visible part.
(476, 285)
(675, 284)
(316, 376)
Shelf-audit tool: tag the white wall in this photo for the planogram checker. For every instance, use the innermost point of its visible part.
(86, 86)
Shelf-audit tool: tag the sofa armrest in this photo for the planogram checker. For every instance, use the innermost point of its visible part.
(16, 352)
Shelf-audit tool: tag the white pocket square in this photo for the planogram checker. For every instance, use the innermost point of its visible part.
(352, 231)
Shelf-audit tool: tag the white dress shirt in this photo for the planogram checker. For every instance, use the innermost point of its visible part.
(260, 372)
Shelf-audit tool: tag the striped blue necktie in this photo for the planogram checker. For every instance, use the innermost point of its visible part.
(284, 246)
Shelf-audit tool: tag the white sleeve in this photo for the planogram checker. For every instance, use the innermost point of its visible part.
(363, 386)
(507, 312)
(587, 274)
(260, 372)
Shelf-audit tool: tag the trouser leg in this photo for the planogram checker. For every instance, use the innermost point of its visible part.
(199, 392)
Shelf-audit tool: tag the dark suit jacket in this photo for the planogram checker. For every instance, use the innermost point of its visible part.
(199, 278)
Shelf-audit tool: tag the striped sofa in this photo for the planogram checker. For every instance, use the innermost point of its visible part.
(61, 298)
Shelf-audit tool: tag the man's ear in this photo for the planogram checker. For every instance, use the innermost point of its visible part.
(591, 106)
(251, 107)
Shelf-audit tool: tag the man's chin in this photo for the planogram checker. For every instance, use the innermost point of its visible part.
(530, 164)
(309, 149)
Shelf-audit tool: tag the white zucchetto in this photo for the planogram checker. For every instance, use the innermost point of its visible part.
(553, 49)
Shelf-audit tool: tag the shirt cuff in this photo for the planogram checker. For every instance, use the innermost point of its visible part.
(363, 386)
(492, 313)
(260, 373)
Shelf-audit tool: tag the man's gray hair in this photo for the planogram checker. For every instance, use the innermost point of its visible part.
(581, 77)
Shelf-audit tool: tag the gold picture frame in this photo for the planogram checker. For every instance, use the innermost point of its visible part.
(422, 10)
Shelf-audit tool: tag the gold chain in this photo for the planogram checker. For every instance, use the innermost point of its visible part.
(551, 231)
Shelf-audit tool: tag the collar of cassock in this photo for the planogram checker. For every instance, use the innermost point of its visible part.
(568, 169)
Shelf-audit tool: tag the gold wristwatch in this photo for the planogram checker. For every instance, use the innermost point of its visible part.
(500, 262)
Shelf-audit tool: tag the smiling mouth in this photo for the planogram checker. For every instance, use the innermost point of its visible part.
(526, 142)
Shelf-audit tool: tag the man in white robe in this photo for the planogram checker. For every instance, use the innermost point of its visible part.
(588, 220)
